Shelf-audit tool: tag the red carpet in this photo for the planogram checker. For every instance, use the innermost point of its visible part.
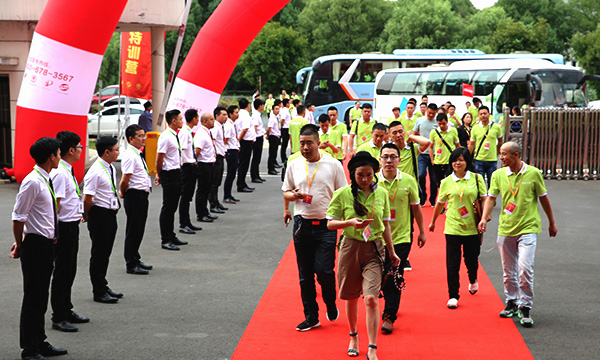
(425, 329)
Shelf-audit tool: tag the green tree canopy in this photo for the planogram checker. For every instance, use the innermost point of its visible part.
(511, 36)
(587, 52)
(476, 32)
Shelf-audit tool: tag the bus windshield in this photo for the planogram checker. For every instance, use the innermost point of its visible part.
(560, 88)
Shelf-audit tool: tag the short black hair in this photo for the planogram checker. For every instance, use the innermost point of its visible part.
(423, 103)
(131, 130)
(390, 146)
(310, 130)
(231, 109)
(476, 99)
(172, 114)
(379, 126)
(451, 106)
(41, 150)
(441, 116)
(332, 108)
(483, 108)
(277, 102)
(300, 109)
(243, 103)
(257, 103)
(412, 100)
(466, 154)
(147, 104)
(295, 102)
(395, 123)
(285, 102)
(367, 106)
(323, 118)
(424, 96)
(190, 114)
(105, 143)
(432, 106)
(218, 110)
(68, 140)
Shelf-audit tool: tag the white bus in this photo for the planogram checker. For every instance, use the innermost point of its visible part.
(498, 83)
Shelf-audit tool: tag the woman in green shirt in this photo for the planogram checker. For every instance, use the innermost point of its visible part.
(459, 191)
(362, 209)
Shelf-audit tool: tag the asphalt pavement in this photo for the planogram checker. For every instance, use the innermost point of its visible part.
(197, 302)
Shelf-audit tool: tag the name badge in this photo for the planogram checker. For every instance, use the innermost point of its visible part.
(510, 208)
(367, 233)
(114, 203)
(364, 138)
(486, 145)
(307, 200)
(463, 211)
(392, 214)
(438, 152)
(81, 208)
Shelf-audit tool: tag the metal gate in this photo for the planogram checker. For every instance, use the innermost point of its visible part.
(562, 143)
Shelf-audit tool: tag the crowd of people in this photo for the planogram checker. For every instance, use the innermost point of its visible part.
(377, 212)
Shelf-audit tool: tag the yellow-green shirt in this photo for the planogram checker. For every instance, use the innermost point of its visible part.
(416, 114)
(402, 192)
(406, 165)
(454, 119)
(295, 126)
(525, 217)
(441, 153)
(335, 138)
(489, 149)
(355, 113)
(341, 208)
(460, 217)
(340, 127)
(474, 112)
(363, 131)
(371, 149)
(269, 104)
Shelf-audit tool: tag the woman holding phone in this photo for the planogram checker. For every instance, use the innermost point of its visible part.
(362, 210)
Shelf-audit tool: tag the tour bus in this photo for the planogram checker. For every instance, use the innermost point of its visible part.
(498, 83)
(341, 80)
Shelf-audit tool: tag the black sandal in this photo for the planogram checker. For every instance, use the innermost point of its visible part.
(353, 352)
(372, 347)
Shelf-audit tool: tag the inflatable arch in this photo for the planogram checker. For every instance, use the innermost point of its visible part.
(65, 57)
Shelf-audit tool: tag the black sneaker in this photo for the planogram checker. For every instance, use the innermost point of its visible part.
(332, 313)
(306, 325)
(407, 266)
(510, 310)
(526, 319)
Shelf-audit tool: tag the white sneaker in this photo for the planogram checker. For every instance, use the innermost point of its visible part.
(473, 287)
(452, 303)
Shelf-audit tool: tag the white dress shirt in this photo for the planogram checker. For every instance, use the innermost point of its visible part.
(310, 117)
(132, 163)
(217, 134)
(230, 133)
(34, 205)
(204, 142)
(186, 139)
(67, 190)
(245, 122)
(98, 184)
(284, 113)
(257, 121)
(168, 144)
(274, 121)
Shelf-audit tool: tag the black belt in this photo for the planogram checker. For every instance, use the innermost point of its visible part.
(314, 222)
(38, 237)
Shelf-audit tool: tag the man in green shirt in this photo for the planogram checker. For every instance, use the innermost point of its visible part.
(269, 103)
(486, 139)
(443, 141)
(396, 113)
(453, 117)
(374, 145)
(520, 186)
(355, 112)
(361, 128)
(403, 192)
(295, 126)
(474, 109)
(331, 140)
(409, 119)
(339, 127)
(413, 144)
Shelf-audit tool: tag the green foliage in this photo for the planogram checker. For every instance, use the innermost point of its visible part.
(476, 32)
(511, 36)
(289, 15)
(275, 54)
(343, 26)
(586, 14)
(587, 52)
(109, 70)
(462, 8)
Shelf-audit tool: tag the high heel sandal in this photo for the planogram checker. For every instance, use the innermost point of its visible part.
(353, 352)
(372, 347)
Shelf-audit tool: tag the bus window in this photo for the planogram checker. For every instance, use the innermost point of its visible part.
(454, 81)
(372, 68)
(404, 84)
(431, 83)
(485, 81)
(322, 77)
(340, 68)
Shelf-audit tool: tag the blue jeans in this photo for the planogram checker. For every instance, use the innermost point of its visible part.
(518, 255)
(315, 254)
(425, 166)
(485, 169)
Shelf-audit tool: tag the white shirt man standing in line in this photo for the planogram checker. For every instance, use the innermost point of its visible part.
(247, 136)
(220, 115)
(70, 212)
(257, 147)
(189, 171)
(286, 117)
(230, 138)
(207, 156)
(134, 189)
(274, 135)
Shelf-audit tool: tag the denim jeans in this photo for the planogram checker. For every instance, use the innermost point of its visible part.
(315, 254)
(425, 166)
(485, 169)
(518, 255)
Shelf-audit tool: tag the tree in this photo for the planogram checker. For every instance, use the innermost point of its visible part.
(109, 70)
(476, 31)
(289, 15)
(587, 52)
(418, 24)
(586, 14)
(343, 26)
(275, 55)
(511, 36)
(463, 8)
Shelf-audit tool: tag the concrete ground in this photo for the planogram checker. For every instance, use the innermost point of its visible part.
(197, 302)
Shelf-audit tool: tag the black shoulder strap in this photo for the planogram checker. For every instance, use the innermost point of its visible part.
(414, 162)
(482, 140)
(356, 128)
(444, 141)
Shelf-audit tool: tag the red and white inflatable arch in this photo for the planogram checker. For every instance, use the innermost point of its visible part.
(66, 54)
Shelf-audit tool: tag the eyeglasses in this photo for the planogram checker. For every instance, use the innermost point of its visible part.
(390, 157)
(79, 147)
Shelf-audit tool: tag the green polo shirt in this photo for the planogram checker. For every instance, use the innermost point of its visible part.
(295, 126)
(454, 120)
(408, 124)
(402, 192)
(406, 162)
(417, 114)
(478, 135)
(340, 127)
(355, 113)
(371, 149)
(525, 218)
(450, 189)
(269, 104)
(335, 138)
(363, 131)
(474, 112)
(341, 208)
(441, 153)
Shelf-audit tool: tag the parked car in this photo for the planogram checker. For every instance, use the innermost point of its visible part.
(106, 93)
(115, 101)
(594, 104)
(108, 123)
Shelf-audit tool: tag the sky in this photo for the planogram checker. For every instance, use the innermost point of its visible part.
(480, 4)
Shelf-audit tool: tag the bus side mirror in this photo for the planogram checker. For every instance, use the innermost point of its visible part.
(535, 86)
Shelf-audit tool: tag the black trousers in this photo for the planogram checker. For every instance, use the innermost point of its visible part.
(233, 158)
(213, 196)
(273, 144)
(65, 268)
(471, 249)
(205, 180)
(315, 254)
(244, 165)
(440, 173)
(37, 262)
(285, 139)
(257, 149)
(189, 175)
(390, 292)
(171, 184)
(102, 225)
(136, 204)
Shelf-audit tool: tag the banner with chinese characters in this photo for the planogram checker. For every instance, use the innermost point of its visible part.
(136, 65)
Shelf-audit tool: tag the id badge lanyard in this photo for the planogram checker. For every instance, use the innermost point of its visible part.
(74, 180)
(308, 199)
(510, 207)
(367, 231)
(112, 183)
(462, 208)
(392, 211)
(49, 188)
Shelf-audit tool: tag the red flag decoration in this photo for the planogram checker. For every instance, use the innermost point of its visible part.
(136, 65)
(467, 90)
